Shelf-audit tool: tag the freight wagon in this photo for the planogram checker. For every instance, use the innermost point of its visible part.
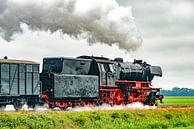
(19, 83)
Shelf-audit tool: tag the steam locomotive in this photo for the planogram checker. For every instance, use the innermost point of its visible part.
(82, 81)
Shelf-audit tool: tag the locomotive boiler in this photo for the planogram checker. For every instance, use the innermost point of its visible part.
(89, 80)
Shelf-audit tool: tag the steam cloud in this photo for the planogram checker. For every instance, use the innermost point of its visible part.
(132, 106)
(103, 107)
(98, 21)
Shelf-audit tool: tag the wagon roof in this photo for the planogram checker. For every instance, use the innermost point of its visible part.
(12, 61)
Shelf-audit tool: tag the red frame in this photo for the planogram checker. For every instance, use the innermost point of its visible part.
(112, 94)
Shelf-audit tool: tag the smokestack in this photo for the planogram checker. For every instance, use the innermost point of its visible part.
(98, 21)
(5, 57)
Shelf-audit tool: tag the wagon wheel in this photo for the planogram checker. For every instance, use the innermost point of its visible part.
(51, 106)
(18, 105)
(31, 105)
(73, 105)
(2, 107)
(63, 108)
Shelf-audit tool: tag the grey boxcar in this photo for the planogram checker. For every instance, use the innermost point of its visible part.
(19, 82)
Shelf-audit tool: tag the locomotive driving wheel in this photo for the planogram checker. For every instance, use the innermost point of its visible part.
(118, 98)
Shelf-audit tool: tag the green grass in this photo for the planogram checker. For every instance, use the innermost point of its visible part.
(178, 101)
(161, 118)
(125, 119)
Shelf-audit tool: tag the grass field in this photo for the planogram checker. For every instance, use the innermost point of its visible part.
(178, 101)
(125, 119)
(160, 118)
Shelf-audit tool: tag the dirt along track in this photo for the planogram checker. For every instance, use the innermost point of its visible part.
(176, 107)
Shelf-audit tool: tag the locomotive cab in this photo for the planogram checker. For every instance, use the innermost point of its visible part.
(108, 70)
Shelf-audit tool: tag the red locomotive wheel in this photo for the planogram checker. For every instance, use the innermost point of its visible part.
(118, 97)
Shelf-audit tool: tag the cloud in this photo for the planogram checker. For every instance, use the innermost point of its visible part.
(183, 10)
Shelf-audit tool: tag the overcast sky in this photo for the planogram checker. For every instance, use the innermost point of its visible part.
(167, 29)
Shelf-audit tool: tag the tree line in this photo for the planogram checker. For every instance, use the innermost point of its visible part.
(176, 91)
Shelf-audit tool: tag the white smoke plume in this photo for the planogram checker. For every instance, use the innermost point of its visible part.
(98, 21)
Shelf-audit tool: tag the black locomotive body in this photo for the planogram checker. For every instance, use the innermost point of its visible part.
(88, 80)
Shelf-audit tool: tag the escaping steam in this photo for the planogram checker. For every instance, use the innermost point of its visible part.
(98, 21)
(45, 107)
(132, 106)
